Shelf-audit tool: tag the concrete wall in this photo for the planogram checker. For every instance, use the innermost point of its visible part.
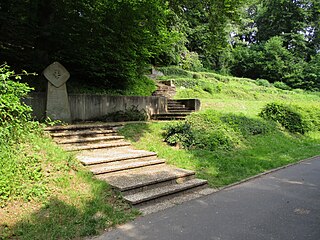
(87, 107)
(191, 104)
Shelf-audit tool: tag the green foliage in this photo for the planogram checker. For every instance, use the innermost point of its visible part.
(292, 117)
(263, 82)
(179, 133)
(259, 153)
(312, 74)
(143, 86)
(271, 61)
(191, 62)
(211, 130)
(247, 126)
(108, 43)
(281, 85)
(39, 179)
(14, 114)
(175, 71)
(20, 171)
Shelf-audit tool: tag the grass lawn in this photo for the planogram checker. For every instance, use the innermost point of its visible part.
(52, 196)
(227, 95)
(221, 167)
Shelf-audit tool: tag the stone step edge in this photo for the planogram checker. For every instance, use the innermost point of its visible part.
(115, 159)
(180, 111)
(153, 182)
(89, 139)
(96, 146)
(123, 167)
(171, 114)
(177, 107)
(164, 191)
(82, 126)
(169, 105)
(176, 200)
(169, 117)
(82, 132)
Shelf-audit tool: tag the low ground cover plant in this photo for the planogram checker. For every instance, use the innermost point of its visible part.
(213, 130)
(294, 118)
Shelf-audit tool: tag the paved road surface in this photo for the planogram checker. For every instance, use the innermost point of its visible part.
(284, 205)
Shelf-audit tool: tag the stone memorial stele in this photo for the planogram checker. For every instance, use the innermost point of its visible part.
(58, 107)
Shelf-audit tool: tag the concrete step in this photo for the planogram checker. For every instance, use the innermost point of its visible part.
(170, 116)
(176, 105)
(79, 147)
(115, 155)
(142, 179)
(180, 111)
(123, 165)
(83, 126)
(87, 139)
(102, 132)
(161, 192)
(176, 200)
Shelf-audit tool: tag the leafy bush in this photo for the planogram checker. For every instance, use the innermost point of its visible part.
(20, 171)
(13, 113)
(294, 118)
(142, 86)
(175, 71)
(281, 85)
(211, 130)
(262, 82)
(247, 126)
(179, 133)
(190, 61)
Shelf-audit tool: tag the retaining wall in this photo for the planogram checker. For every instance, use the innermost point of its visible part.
(88, 107)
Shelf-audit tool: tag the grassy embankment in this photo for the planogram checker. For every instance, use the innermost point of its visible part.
(244, 152)
(47, 194)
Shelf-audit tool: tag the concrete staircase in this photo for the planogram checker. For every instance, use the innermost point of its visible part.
(176, 111)
(144, 180)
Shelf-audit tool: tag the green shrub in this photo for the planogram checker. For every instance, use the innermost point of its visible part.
(14, 114)
(281, 85)
(262, 82)
(247, 126)
(212, 130)
(189, 135)
(291, 117)
(190, 61)
(175, 71)
(179, 133)
(142, 86)
(21, 173)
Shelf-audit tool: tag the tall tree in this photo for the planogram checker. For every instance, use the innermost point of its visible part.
(102, 42)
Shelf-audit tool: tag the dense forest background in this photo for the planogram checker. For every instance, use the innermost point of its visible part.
(112, 43)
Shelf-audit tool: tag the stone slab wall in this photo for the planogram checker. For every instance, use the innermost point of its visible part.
(87, 106)
(191, 104)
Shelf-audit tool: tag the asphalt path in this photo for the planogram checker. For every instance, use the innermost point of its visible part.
(283, 205)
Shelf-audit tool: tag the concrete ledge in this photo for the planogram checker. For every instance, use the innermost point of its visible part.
(190, 104)
(86, 107)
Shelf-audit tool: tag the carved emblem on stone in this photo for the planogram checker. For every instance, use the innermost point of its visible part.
(58, 107)
(56, 74)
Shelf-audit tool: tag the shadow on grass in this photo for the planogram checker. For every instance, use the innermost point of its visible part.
(134, 132)
(260, 154)
(58, 219)
(260, 150)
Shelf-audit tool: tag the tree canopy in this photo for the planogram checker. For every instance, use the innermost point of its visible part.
(111, 44)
